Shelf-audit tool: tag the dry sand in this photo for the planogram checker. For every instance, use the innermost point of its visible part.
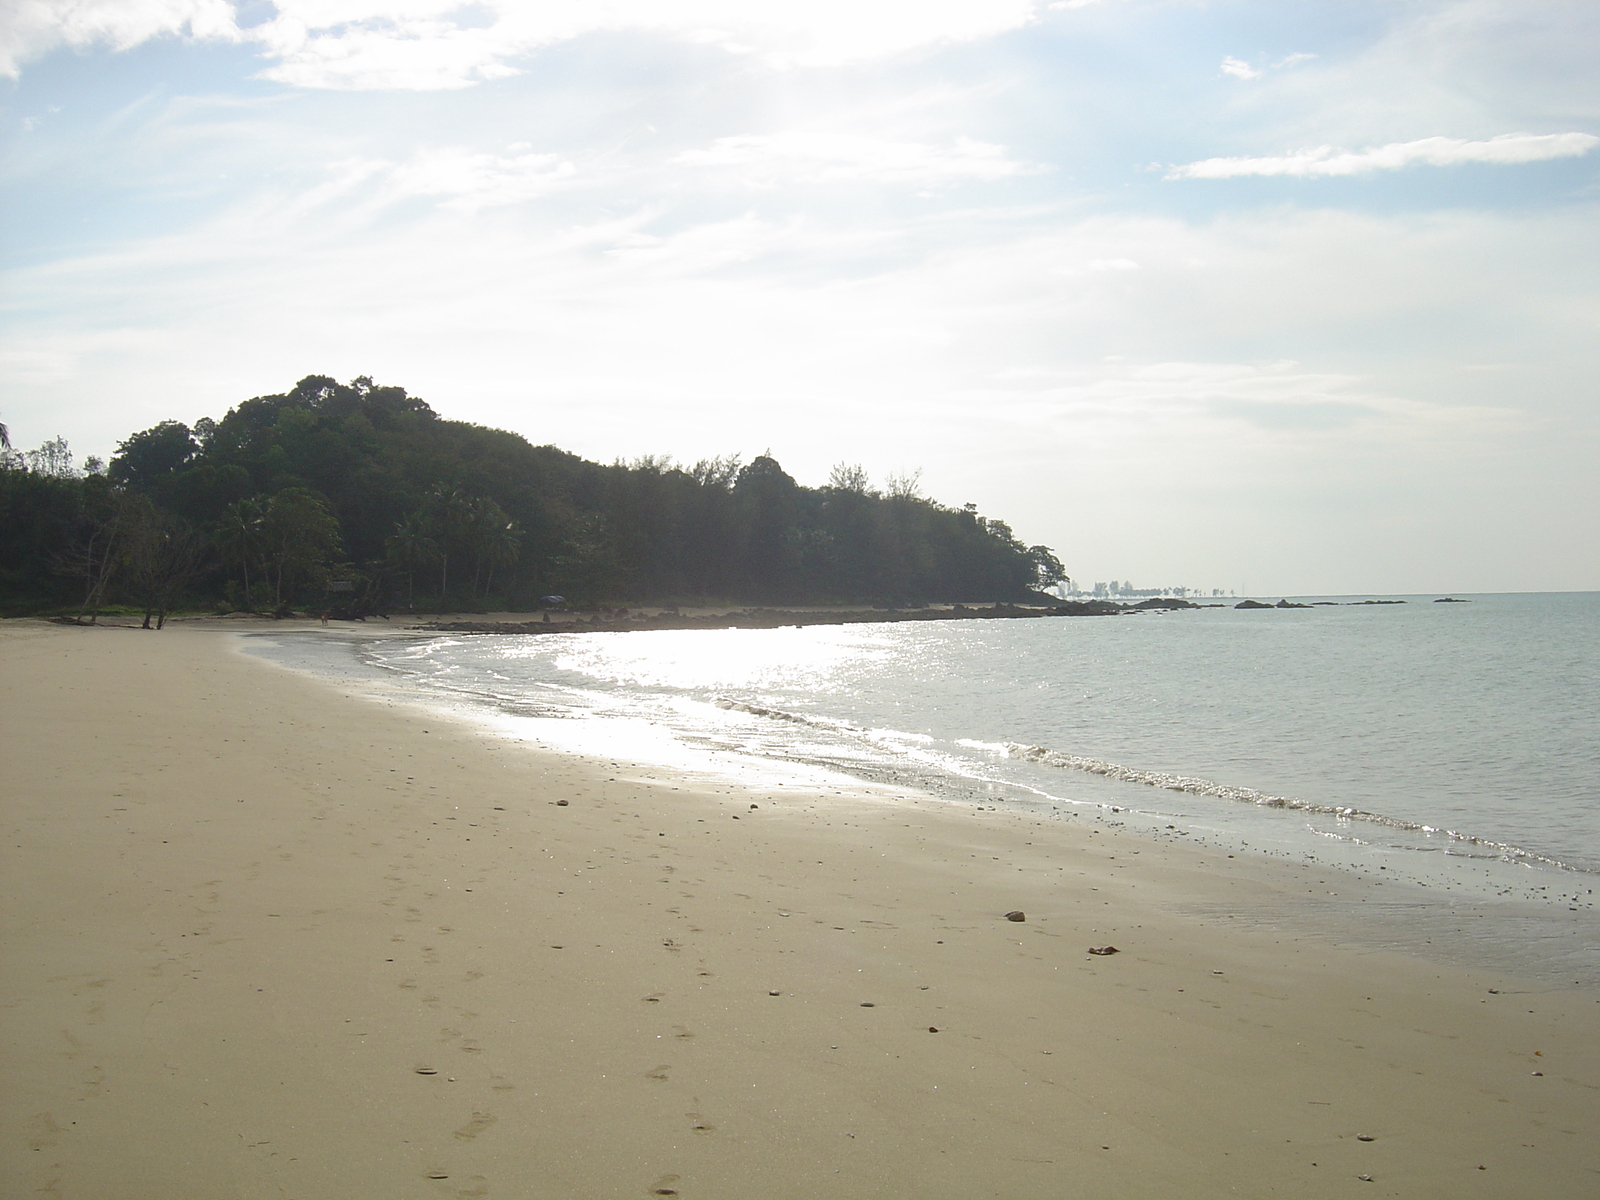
(263, 939)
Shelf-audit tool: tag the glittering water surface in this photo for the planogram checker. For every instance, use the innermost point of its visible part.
(1456, 745)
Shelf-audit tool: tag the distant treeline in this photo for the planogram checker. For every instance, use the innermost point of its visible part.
(361, 499)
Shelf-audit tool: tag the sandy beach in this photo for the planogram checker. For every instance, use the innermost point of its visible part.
(262, 938)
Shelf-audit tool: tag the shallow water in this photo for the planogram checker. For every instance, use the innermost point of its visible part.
(1451, 746)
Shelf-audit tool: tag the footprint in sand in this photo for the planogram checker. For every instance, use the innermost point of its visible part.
(699, 1124)
(659, 1074)
(480, 1121)
(93, 1081)
(663, 1186)
(42, 1131)
(683, 1035)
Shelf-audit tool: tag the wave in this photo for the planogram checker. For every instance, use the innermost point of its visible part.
(1045, 756)
(1168, 781)
(824, 723)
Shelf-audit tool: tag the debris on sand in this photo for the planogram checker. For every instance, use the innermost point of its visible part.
(1104, 950)
(1016, 914)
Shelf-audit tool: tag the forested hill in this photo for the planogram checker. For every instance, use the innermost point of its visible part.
(367, 489)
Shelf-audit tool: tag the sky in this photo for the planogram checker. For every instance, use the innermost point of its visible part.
(1280, 298)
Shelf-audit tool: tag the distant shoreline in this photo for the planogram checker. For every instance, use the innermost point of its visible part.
(623, 620)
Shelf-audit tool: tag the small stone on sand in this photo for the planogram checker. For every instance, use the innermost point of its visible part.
(1016, 914)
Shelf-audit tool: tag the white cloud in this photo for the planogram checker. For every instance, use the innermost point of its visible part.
(424, 52)
(441, 44)
(825, 157)
(472, 181)
(1508, 148)
(31, 28)
(1239, 69)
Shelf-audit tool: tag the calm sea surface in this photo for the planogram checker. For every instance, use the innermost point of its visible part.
(1456, 745)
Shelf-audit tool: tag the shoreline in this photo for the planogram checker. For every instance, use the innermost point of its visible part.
(1516, 904)
(591, 982)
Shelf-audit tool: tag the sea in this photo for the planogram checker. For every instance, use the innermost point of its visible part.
(1449, 750)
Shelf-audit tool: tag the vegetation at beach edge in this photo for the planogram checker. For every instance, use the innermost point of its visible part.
(359, 498)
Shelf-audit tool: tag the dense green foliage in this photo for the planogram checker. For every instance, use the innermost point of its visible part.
(367, 490)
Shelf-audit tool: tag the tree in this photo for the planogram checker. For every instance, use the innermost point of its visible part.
(95, 554)
(300, 538)
(446, 515)
(145, 458)
(241, 536)
(366, 472)
(54, 459)
(1047, 568)
(162, 553)
(494, 539)
(848, 477)
(409, 547)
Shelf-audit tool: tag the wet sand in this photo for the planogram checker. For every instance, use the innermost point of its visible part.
(262, 938)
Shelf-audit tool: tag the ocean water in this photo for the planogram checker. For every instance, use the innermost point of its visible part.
(1450, 746)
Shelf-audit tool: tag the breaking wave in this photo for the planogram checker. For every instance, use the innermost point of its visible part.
(1045, 756)
(1167, 781)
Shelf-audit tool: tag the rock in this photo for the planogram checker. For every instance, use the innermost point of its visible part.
(1016, 914)
(1104, 950)
(561, 803)
(1251, 604)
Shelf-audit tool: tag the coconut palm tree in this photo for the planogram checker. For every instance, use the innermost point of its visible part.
(410, 547)
(240, 538)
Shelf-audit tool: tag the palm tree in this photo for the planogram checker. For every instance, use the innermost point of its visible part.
(445, 516)
(410, 547)
(240, 537)
(498, 543)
